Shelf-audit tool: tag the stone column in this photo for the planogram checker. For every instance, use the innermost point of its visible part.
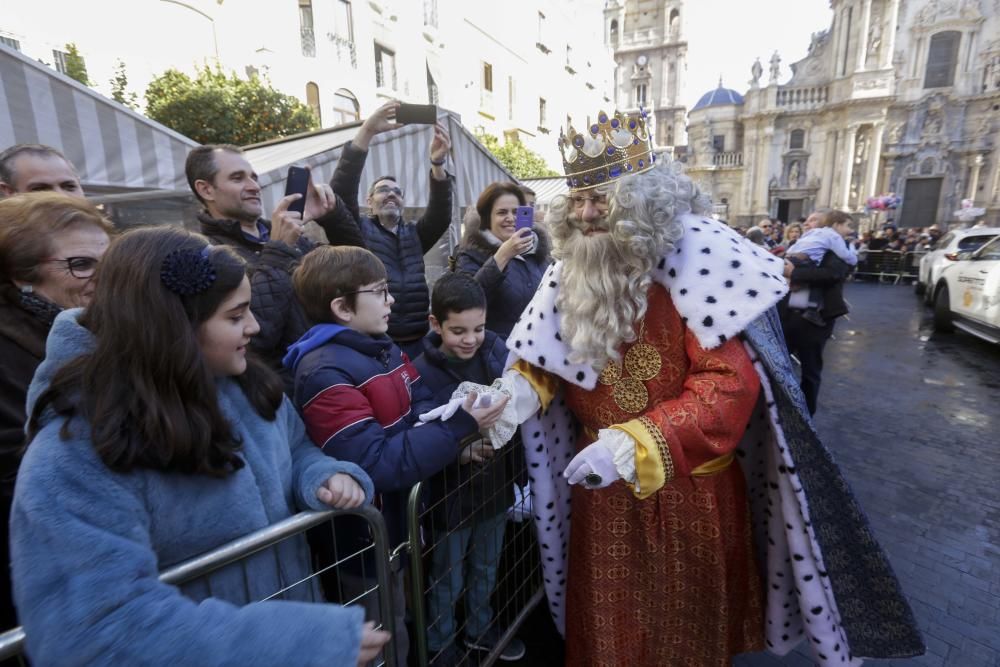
(829, 158)
(889, 36)
(886, 185)
(850, 137)
(874, 157)
(977, 165)
(866, 21)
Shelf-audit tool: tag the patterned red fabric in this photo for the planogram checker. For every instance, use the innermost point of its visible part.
(669, 580)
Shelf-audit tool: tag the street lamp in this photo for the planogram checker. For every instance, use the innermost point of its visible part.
(215, 40)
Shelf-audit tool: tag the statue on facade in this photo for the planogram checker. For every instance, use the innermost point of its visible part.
(793, 175)
(875, 36)
(775, 67)
(756, 71)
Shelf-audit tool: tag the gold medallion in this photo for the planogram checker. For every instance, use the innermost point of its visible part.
(630, 395)
(611, 373)
(642, 361)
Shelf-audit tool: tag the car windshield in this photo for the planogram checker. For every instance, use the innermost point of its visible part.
(972, 243)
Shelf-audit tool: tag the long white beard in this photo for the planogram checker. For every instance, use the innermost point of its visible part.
(601, 296)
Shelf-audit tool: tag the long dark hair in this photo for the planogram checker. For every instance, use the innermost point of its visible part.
(145, 389)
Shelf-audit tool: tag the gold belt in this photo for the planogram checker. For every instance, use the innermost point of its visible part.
(712, 467)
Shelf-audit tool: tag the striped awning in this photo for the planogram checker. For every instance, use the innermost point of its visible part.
(403, 153)
(547, 189)
(113, 148)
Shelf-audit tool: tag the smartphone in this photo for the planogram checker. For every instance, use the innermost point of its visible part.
(297, 183)
(416, 114)
(524, 218)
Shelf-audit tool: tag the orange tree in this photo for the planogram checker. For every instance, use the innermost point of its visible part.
(216, 108)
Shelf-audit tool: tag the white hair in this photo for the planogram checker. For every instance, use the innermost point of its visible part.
(606, 277)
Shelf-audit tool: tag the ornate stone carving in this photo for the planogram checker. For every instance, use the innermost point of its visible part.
(775, 67)
(897, 133)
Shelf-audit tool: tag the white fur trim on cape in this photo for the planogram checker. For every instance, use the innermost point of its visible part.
(718, 281)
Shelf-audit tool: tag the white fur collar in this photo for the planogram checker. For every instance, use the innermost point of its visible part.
(719, 283)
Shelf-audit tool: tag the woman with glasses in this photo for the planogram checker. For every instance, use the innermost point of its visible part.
(506, 260)
(50, 245)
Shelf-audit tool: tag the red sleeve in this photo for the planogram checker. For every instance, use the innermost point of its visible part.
(708, 419)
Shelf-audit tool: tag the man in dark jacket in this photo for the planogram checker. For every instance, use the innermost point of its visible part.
(225, 183)
(805, 339)
(400, 245)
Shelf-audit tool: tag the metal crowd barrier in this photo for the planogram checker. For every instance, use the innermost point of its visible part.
(518, 583)
(889, 265)
(12, 641)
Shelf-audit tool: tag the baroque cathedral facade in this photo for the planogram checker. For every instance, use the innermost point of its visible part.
(896, 96)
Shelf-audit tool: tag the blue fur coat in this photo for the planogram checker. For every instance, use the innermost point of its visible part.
(88, 543)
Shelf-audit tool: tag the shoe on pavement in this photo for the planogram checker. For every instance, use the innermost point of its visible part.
(514, 650)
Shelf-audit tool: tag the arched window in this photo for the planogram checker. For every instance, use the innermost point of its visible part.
(797, 139)
(345, 107)
(312, 99)
(675, 23)
(942, 57)
(640, 95)
(613, 34)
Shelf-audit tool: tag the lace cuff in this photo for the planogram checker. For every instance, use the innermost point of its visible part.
(622, 448)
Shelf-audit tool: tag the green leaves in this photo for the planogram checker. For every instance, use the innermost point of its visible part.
(514, 155)
(216, 108)
(76, 68)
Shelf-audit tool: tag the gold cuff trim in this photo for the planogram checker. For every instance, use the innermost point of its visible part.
(649, 468)
(714, 466)
(661, 445)
(544, 383)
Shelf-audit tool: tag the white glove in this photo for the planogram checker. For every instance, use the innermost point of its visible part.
(611, 457)
(443, 412)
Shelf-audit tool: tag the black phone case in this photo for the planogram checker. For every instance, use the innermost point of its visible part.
(416, 114)
(297, 183)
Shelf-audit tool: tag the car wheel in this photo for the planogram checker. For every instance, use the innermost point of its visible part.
(942, 310)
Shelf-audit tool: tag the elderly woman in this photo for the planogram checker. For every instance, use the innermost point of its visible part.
(507, 262)
(50, 245)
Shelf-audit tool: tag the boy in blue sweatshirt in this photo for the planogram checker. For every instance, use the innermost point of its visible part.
(469, 499)
(360, 396)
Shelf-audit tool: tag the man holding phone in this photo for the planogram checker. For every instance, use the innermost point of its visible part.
(226, 184)
(401, 245)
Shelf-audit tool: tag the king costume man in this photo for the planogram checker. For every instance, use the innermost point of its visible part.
(707, 518)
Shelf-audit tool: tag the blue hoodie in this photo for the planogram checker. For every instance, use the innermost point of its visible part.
(88, 544)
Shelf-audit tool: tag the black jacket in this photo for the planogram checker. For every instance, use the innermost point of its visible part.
(471, 491)
(401, 252)
(22, 348)
(270, 265)
(828, 276)
(509, 291)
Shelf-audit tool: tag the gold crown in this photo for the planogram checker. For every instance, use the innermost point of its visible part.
(614, 147)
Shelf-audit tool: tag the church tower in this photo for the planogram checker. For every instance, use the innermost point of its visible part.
(649, 46)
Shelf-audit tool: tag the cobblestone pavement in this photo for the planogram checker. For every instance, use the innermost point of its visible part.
(913, 418)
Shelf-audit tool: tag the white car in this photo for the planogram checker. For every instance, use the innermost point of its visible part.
(967, 295)
(932, 263)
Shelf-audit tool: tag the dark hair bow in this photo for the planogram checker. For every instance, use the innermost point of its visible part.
(187, 272)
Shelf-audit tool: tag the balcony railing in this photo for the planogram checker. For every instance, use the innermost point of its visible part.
(728, 159)
(804, 97)
(345, 48)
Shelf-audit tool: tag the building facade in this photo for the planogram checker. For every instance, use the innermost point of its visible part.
(517, 72)
(896, 96)
(650, 52)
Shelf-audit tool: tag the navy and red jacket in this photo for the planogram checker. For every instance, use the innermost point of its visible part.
(360, 396)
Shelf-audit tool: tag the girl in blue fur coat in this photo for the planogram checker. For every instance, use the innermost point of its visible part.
(155, 439)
